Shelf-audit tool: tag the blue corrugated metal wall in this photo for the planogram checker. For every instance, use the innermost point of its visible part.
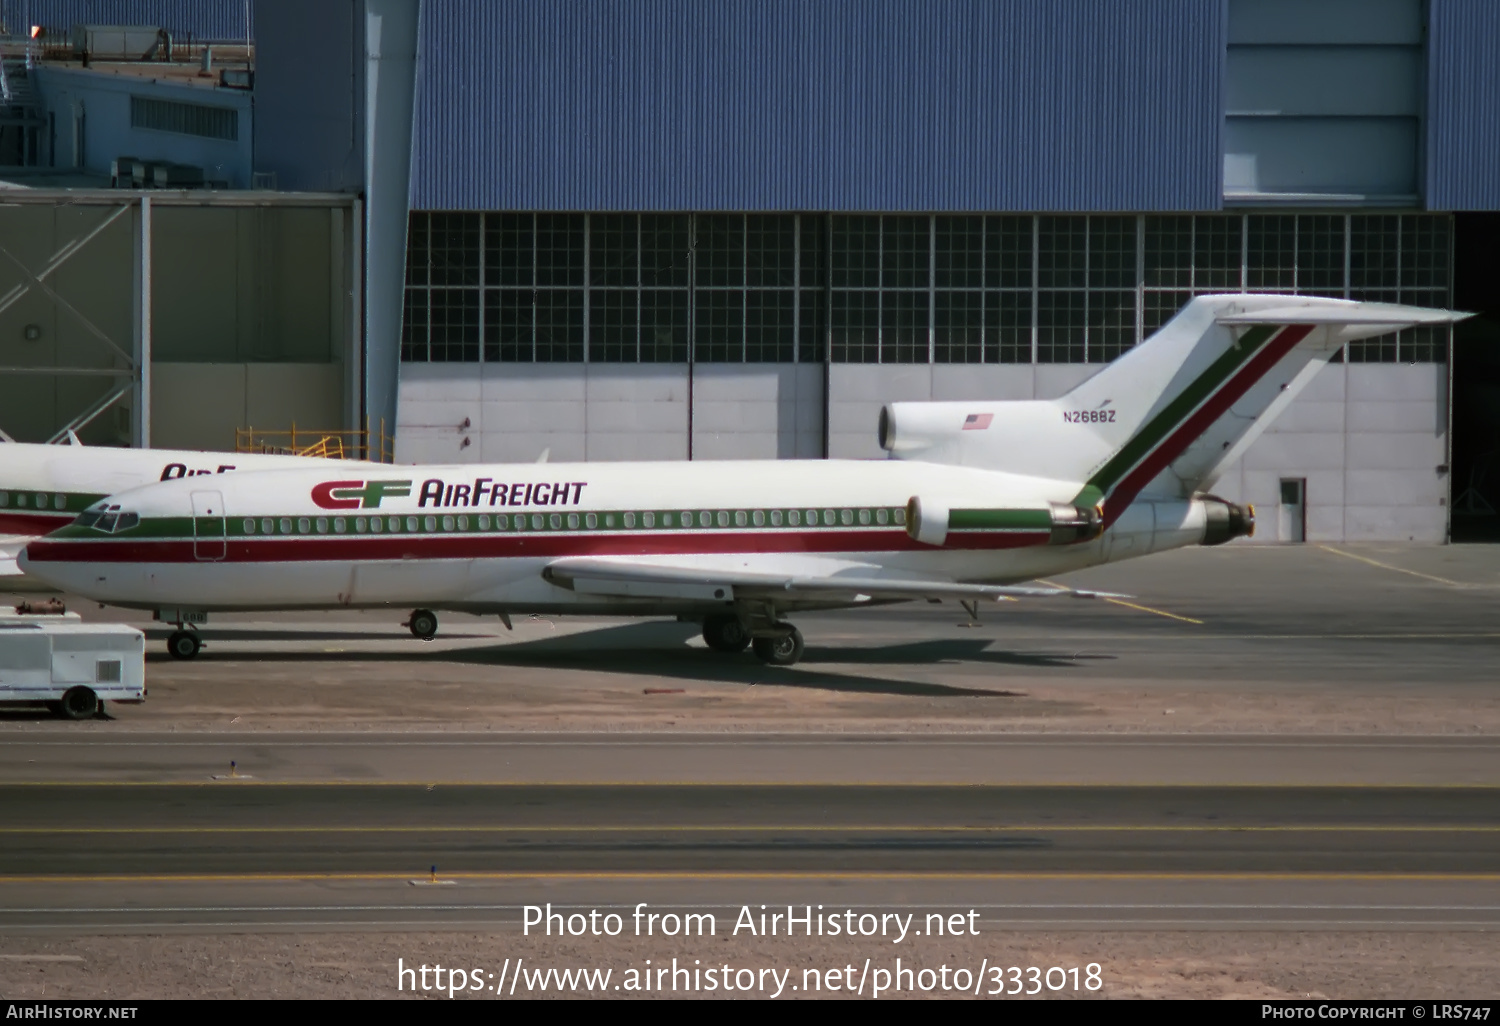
(819, 105)
(1463, 105)
(210, 20)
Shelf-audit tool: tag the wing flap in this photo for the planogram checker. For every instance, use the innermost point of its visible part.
(642, 579)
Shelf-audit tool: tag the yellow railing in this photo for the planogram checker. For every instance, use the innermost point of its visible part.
(358, 444)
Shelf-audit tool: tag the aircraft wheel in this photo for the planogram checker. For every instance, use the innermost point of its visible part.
(423, 624)
(183, 645)
(78, 703)
(782, 650)
(725, 634)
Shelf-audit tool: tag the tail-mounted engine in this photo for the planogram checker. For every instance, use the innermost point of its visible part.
(1227, 521)
(930, 522)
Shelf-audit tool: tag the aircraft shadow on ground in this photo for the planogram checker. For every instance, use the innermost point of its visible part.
(658, 650)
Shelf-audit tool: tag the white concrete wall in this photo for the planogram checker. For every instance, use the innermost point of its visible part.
(748, 411)
(516, 411)
(1369, 439)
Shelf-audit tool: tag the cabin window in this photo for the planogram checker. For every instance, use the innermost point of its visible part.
(286, 525)
(359, 525)
(267, 526)
(739, 518)
(881, 516)
(572, 521)
(846, 516)
(339, 525)
(591, 520)
(705, 519)
(794, 517)
(629, 519)
(322, 525)
(483, 521)
(41, 501)
(411, 523)
(20, 499)
(900, 516)
(758, 518)
(537, 522)
(4, 498)
(864, 516)
(775, 518)
(463, 523)
(375, 524)
(555, 521)
(59, 501)
(447, 523)
(648, 519)
(502, 522)
(249, 526)
(723, 518)
(687, 519)
(303, 525)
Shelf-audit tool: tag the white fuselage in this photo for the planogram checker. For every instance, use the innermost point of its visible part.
(477, 537)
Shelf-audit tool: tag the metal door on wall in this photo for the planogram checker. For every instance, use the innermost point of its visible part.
(208, 525)
(1291, 514)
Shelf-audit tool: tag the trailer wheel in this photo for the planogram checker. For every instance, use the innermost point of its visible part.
(78, 703)
(183, 645)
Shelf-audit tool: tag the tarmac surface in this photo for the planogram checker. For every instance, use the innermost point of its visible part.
(1294, 739)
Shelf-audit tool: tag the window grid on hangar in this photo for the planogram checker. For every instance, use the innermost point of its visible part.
(785, 288)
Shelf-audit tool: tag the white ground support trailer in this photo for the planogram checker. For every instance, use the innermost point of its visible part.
(69, 665)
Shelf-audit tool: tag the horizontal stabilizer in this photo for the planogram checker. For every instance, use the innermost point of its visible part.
(1337, 312)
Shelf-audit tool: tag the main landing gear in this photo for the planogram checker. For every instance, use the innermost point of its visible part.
(776, 642)
(423, 624)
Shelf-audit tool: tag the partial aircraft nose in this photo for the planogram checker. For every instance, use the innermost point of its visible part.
(82, 556)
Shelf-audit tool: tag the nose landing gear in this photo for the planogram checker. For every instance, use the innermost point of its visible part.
(183, 644)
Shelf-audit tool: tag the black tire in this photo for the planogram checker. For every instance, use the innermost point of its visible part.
(726, 634)
(78, 703)
(183, 645)
(423, 624)
(781, 650)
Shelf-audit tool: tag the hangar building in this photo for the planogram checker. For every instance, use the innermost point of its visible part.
(658, 229)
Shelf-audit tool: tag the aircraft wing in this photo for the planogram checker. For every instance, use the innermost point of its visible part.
(810, 577)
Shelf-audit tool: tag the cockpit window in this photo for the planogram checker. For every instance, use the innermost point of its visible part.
(109, 520)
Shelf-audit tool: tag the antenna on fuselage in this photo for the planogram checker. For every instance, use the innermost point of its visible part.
(545, 453)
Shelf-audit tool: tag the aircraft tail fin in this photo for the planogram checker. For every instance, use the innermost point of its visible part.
(1167, 416)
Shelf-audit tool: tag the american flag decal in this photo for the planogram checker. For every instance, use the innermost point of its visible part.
(978, 421)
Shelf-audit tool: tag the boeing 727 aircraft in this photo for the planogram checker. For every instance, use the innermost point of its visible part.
(976, 498)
